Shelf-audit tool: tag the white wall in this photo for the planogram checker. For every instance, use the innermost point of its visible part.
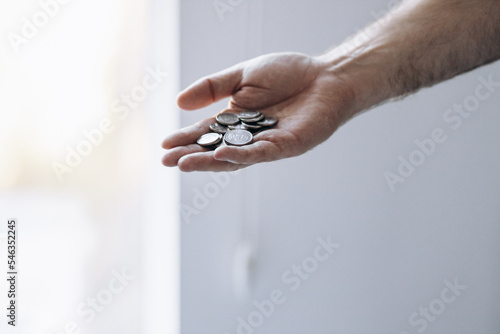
(397, 249)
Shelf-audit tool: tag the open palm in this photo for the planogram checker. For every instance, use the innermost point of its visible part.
(309, 101)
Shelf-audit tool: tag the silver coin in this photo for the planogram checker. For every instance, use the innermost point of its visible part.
(238, 137)
(254, 126)
(227, 118)
(209, 139)
(268, 121)
(254, 119)
(238, 126)
(219, 128)
(249, 114)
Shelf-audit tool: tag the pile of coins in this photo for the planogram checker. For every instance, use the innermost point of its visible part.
(236, 129)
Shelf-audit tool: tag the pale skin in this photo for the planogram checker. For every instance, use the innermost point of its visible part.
(420, 43)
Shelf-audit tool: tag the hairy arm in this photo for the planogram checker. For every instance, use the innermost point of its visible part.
(418, 44)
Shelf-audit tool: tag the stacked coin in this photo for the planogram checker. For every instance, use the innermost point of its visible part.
(236, 129)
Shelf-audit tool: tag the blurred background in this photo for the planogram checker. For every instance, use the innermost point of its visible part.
(371, 232)
(87, 95)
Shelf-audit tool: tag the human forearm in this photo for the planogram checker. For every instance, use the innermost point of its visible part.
(420, 43)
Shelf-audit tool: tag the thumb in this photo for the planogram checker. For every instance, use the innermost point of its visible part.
(210, 89)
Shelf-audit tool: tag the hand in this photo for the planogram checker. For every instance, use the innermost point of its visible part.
(309, 101)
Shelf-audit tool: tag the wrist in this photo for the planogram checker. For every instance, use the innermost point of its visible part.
(364, 74)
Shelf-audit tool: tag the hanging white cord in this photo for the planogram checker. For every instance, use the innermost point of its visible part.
(245, 254)
(247, 249)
